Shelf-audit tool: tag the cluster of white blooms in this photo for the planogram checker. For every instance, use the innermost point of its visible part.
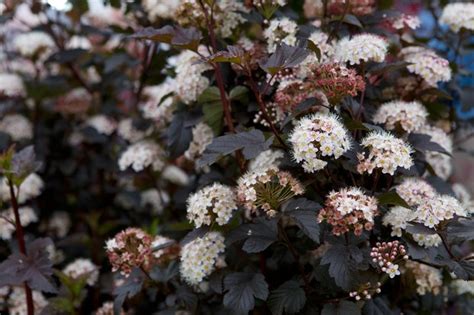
(267, 189)
(439, 209)
(428, 279)
(415, 190)
(141, 155)
(266, 159)
(282, 30)
(458, 15)
(362, 47)
(463, 286)
(159, 105)
(200, 257)
(385, 152)
(82, 267)
(318, 136)
(27, 216)
(212, 203)
(17, 305)
(80, 42)
(33, 43)
(408, 116)
(156, 200)
(427, 64)
(427, 240)
(160, 9)
(202, 137)
(30, 188)
(406, 21)
(464, 197)
(103, 16)
(190, 82)
(102, 124)
(60, 223)
(17, 126)
(349, 209)
(441, 163)
(11, 85)
(129, 132)
(107, 309)
(175, 175)
(230, 17)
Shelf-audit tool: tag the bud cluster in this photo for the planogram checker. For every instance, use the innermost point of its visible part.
(386, 253)
(366, 291)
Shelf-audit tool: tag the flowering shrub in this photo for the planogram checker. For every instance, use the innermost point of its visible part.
(218, 156)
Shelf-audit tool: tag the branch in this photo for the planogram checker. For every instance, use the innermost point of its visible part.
(146, 63)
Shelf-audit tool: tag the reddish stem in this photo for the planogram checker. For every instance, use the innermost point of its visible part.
(20, 236)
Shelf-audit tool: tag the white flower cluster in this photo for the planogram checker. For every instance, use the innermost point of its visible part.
(156, 200)
(458, 15)
(160, 9)
(202, 137)
(362, 47)
(200, 257)
(427, 64)
(230, 17)
(266, 159)
(415, 191)
(464, 197)
(282, 30)
(129, 132)
(141, 155)
(82, 267)
(17, 126)
(428, 279)
(439, 209)
(397, 217)
(408, 116)
(385, 152)
(16, 302)
(107, 309)
(406, 21)
(33, 43)
(60, 223)
(27, 216)
(102, 124)
(11, 85)
(175, 175)
(190, 82)
(316, 137)
(31, 188)
(441, 163)
(159, 105)
(463, 286)
(214, 202)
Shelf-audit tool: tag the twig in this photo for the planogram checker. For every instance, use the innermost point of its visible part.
(20, 236)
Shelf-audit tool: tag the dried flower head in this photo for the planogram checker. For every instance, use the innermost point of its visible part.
(142, 154)
(266, 189)
(83, 267)
(427, 64)
(361, 48)
(349, 209)
(385, 152)
(318, 137)
(200, 257)
(214, 203)
(336, 81)
(129, 249)
(458, 15)
(399, 115)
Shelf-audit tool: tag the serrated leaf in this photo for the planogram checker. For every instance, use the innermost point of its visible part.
(392, 198)
(239, 93)
(186, 38)
(233, 54)
(213, 116)
(242, 290)
(418, 228)
(250, 142)
(210, 95)
(352, 20)
(461, 230)
(131, 286)
(36, 268)
(302, 107)
(341, 308)
(376, 306)
(164, 275)
(179, 133)
(199, 232)
(384, 68)
(343, 264)
(422, 142)
(289, 298)
(304, 212)
(258, 236)
(284, 57)
(23, 164)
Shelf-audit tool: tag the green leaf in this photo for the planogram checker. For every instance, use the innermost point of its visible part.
(392, 198)
(213, 116)
(304, 212)
(289, 298)
(250, 142)
(240, 94)
(341, 308)
(242, 290)
(210, 95)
